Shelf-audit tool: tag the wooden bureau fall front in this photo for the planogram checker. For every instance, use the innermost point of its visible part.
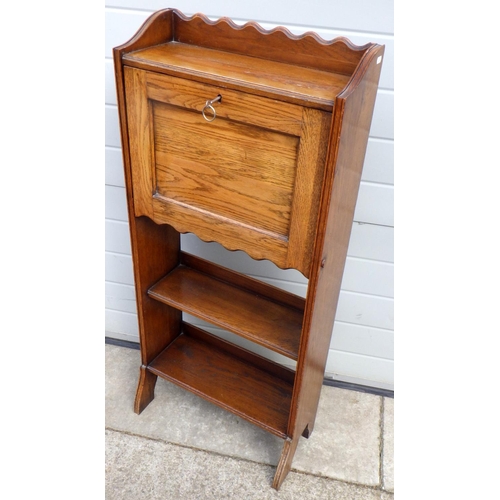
(253, 139)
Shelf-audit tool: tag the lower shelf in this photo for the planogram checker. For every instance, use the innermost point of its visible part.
(248, 385)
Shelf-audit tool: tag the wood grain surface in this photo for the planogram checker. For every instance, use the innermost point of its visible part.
(271, 324)
(250, 179)
(230, 169)
(242, 107)
(198, 362)
(303, 85)
(140, 141)
(352, 120)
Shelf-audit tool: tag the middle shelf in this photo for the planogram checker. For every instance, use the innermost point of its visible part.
(254, 310)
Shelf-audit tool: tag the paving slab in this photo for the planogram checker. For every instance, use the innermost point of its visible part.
(345, 444)
(138, 468)
(388, 447)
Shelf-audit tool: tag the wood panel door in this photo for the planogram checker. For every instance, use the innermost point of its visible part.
(249, 179)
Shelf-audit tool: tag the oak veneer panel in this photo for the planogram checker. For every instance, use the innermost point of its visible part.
(249, 180)
(199, 364)
(274, 325)
(233, 170)
(305, 86)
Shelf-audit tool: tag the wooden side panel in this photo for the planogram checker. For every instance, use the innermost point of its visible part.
(352, 120)
(157, 28)
(155, 249)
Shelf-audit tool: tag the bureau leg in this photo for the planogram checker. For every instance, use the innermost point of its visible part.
(285, 462)
(145, 390)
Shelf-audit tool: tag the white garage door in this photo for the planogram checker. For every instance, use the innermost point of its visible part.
(363, 338)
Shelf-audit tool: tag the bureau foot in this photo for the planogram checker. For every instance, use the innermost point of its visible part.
(145, 390)
(308, 431)
(285, 462)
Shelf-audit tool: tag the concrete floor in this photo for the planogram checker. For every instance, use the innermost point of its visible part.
(182, 447)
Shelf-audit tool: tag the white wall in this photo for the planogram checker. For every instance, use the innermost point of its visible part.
(363, 338)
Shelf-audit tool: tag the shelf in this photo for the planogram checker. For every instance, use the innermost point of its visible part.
(245, 384)
(305, 85)
(272, 324)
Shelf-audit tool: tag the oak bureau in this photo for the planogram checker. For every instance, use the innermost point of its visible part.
(256, 140)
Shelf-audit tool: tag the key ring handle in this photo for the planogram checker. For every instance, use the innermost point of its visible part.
(209, 106)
